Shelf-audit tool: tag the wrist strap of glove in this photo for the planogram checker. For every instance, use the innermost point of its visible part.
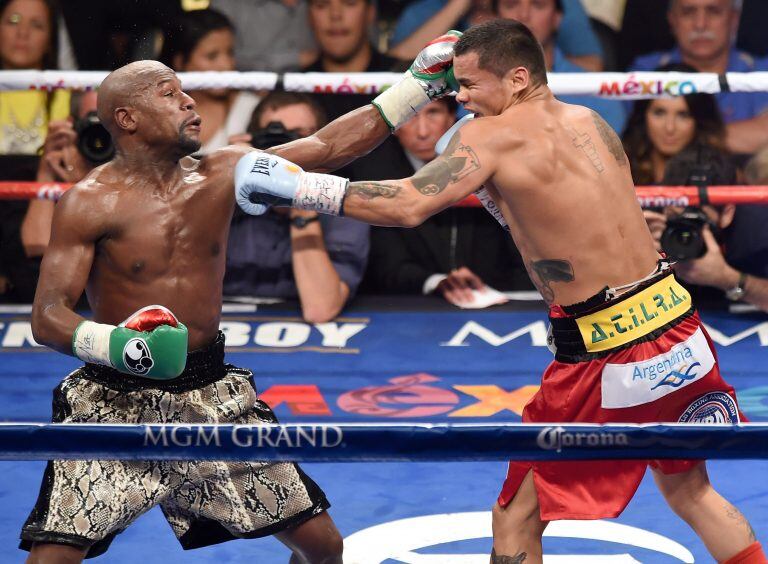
(323, 193)
(400, 102)
(90, 342)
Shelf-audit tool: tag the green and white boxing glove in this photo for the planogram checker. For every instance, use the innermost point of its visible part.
(429, 77)
(151, 343)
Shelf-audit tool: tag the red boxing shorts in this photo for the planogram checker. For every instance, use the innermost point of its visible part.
(643, 357)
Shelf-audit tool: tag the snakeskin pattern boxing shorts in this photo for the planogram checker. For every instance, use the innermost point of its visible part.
(86, 503)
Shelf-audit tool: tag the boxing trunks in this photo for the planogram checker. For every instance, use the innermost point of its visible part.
(643, 357)
(86, 503)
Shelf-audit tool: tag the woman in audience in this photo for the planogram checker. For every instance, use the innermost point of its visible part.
(659, 129)
(28, 40)
(203, 40)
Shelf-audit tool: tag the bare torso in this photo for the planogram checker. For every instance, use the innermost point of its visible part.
(563, 183)
(161, 243)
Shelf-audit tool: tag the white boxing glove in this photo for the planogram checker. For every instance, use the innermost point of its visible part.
(429, 77)
(481, 193)
(263, 180)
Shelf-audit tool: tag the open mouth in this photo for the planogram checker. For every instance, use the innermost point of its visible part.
(193, 124)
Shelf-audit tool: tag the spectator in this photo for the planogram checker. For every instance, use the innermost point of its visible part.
(286, 43)
(341, 30)
(423, 20)
(659, 129)
(543, 18)
(203, 40)
(291, 253)
(704, 32)
(28, 40)
(61, 162)
(733, 264)
(452, 253)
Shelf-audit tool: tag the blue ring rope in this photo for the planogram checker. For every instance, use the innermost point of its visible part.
(322, 442)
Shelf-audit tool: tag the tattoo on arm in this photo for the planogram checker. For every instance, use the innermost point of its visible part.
(584, 142)
(543, 272)
(611, 140)
(372, 190)
(502, 559)
(735, 514)
(455, 163)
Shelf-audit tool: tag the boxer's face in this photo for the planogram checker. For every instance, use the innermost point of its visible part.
(481, 91)
(670, 125)
(167, 114)
(703, 28)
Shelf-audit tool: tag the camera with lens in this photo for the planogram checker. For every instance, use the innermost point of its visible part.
(683, 239)
(274, 134)
(697, 165)
(93, 140)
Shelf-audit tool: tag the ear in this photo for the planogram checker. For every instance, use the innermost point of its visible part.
(726, 216)
(125, 119)
(517, 78)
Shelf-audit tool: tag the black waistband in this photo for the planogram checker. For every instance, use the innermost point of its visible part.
(204, 366)
(567, 338)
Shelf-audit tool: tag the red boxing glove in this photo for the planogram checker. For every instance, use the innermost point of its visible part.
(147, 318)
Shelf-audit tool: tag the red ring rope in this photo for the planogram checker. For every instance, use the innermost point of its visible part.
(649, 196)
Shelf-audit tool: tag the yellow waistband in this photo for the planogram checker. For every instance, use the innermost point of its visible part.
(635, 316)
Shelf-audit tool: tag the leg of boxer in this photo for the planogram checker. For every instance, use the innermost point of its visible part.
(315, 541)
(517, 528)
(54, 554)
(722, 527)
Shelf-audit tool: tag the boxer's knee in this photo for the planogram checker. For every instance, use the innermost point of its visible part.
(686, 491)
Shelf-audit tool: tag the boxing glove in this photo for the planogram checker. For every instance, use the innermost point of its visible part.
(428, 78)
(263, 180)
(151, 343)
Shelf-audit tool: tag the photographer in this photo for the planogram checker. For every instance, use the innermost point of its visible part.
(289, 253)
(71, 150)
(704, 240)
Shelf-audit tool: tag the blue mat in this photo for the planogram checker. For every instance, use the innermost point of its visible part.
(404, 366)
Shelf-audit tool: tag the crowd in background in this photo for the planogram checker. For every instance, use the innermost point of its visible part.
(459, 254)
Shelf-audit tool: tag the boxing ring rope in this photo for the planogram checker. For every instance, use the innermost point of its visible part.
(648, 196)
(611, 85)
(366, 442)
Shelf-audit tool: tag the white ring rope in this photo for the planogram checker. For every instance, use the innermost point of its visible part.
(610, 85)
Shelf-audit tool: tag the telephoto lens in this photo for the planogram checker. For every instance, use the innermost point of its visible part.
(93, 140)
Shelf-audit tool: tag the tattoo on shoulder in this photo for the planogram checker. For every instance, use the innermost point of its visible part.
(502, 559)
(455, 163)
(544, 272)
(584, 142)
(372, 190)
(611, 140)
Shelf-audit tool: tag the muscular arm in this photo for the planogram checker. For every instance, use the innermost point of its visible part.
(351, 136)
(464, 166)
(64, 271)
(322, 293)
